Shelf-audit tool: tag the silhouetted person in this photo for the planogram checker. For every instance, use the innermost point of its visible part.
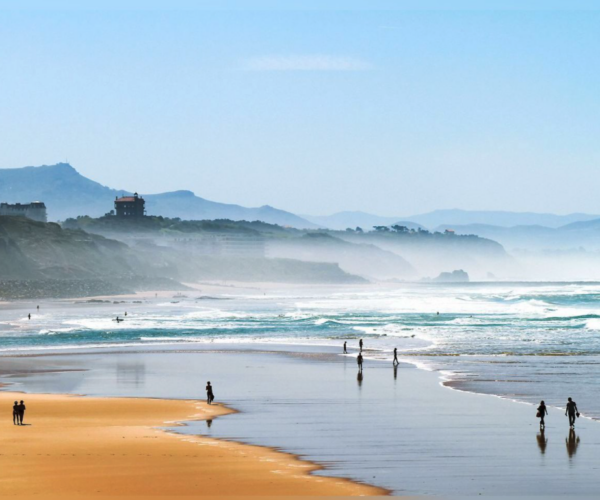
(22, 409)
(572, 412)
(438, 313)
(209, 393)
(29, 316)
(396, 356)
(209, 422)
(38, 308)
(542, 441)
(345, 344)
(542, 411)
(359, 360)
(125, 313)
(360, 344)
(16, 413)
(572, 443)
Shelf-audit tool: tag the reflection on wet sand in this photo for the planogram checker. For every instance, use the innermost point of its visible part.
(572, 443)
(359, 378)
(542, 441)
(395, 372)
(131, 374)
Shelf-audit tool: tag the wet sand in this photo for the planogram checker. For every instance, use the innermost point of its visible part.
(401, 431)
(75, 447)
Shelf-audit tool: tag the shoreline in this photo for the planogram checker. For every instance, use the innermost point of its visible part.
(112, 437)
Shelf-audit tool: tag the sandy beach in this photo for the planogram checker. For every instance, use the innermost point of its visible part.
(81, 446)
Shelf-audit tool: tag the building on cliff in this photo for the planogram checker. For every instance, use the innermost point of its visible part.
(36, 210)
(130, 206)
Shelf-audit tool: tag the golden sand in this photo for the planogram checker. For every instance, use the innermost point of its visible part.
(77, 447)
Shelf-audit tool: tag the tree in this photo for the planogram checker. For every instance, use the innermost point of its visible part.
(400, 229)
(381, 229)
(359, 229)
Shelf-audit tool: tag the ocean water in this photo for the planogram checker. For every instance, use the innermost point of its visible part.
(523, 341)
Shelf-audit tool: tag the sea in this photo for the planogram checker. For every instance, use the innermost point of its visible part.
(521, 341)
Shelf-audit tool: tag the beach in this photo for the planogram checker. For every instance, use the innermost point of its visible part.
(456, 417)
(76, 447)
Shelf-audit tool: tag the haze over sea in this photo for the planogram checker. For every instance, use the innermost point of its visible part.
(524, 341)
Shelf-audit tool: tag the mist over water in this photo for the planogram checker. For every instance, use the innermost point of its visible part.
(523, 341)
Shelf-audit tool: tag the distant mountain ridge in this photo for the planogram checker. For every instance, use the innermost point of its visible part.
(457, 217)
(447, 219)
(353, 219)
(67, 193)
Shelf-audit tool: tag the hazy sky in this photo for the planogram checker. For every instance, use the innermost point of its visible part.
(313, 110)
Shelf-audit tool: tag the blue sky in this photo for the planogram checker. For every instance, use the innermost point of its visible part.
(315, 110)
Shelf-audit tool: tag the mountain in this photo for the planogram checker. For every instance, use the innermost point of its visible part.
(67, 193)
(582, 234)
(450, 218)
(366, 221)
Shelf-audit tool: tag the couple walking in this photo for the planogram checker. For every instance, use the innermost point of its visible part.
(18, 413)
(571, 411)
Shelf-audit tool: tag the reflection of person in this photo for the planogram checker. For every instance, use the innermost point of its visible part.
(572, 412)
(359, 378)
(209, 393)
(572, 442)
(345, 344)
(360, 344)
(542, 441)
(395, 372)
(359, 360)
(21, 412)
(542, 411)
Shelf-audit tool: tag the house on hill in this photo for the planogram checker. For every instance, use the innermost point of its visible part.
(36, 210)
(130, 206)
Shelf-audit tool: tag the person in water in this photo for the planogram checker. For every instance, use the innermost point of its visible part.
(542, 411)
(29, 316)
(359, 360)
(22, 409)
(360, 344)
(572, 412)
(16, 413)
(345, 350)
(209, 393)
(396, 362)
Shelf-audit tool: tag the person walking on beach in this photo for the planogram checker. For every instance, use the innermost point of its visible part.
(542, 411)
(572, 412)
(29, 316)
(396, 362)
(360, 344)
(359, 360)
(21, 409)
(209, 393)
(345, 351)
(16, 413)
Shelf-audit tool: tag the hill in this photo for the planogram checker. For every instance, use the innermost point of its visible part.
(366, 221)
(67, 193)
(449, 218)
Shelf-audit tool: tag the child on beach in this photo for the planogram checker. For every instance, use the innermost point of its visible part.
(542, 411)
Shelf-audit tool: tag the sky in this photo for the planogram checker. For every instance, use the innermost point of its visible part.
(393, 108)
